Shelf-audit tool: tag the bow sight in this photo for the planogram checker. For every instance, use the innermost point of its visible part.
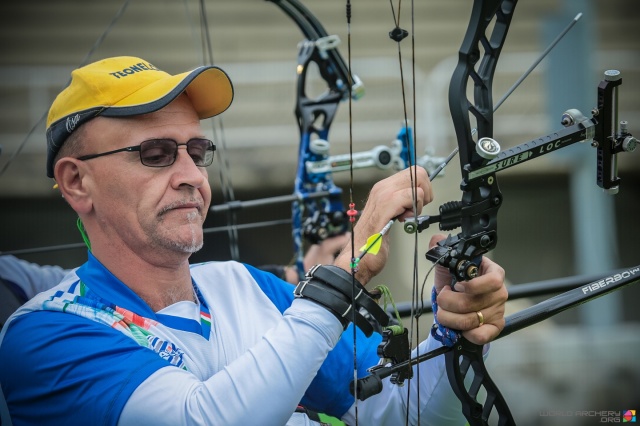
(482, 198)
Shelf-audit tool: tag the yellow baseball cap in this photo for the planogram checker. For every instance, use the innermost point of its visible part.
(124, 86)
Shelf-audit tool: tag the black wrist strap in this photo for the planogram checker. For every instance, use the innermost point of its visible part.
(334, 302)
(331, 287)
(342, 281)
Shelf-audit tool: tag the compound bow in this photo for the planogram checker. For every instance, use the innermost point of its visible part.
(318, 211)
(476, 213)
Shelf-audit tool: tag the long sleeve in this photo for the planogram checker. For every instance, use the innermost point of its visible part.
(263, 386)
(31, 278)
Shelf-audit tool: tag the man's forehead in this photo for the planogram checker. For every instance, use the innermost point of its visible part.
(178, 112)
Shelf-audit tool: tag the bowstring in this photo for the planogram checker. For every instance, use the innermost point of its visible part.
(414, 283)
(352, 208)
(412, 149)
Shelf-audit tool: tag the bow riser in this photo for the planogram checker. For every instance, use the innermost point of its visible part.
(484, 13)
(316, 218)
(481, 197)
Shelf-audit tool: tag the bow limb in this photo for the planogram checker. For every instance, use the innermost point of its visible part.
(464, 356)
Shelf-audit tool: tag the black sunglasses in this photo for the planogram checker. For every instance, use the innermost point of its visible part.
(163, 152)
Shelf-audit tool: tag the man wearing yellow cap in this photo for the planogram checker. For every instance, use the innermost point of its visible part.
(137, 335)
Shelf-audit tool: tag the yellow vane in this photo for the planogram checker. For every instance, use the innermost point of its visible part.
(373, 244)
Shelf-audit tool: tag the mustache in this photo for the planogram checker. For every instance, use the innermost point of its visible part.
(192, 202)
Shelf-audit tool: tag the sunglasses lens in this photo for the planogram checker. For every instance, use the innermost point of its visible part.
(163, 152)
(158, 152)
(201, 151)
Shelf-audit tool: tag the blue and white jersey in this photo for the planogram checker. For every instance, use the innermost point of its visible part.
(91, 350)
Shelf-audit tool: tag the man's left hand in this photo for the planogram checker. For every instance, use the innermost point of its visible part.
(477, 306)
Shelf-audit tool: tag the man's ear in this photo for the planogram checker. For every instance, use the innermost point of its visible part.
(72, 180)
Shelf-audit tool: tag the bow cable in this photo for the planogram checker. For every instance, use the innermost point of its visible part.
(217, 129)
(397, 35)
(84, 62)
(352, 212)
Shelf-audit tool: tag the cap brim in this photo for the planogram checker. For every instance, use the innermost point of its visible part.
(208, 88)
